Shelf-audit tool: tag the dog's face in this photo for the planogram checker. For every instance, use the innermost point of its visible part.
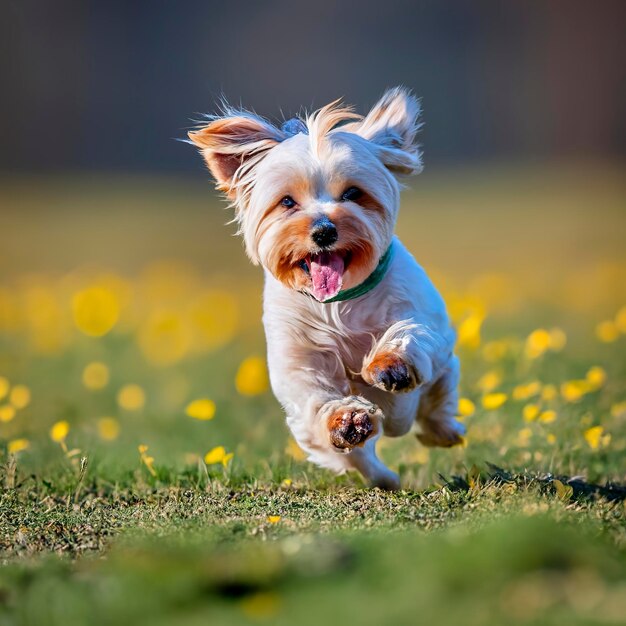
(317, 201)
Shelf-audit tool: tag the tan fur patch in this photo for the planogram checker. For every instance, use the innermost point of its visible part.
(335, 420)
(368, 202)
(379, 363)
(291, 245)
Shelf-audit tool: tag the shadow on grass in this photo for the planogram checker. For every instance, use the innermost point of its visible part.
(576, 488)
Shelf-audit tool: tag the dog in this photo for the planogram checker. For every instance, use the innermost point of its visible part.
(358, 339)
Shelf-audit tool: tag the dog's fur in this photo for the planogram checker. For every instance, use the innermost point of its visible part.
(345, 372)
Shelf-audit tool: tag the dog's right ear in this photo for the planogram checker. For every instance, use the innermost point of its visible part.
(231, 143)
(391, 126)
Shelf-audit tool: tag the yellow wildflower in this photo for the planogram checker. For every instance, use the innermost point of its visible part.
(287, 482)
(273, 519)
(466, 407)
(7, 413)
(574, 390)
(489, 381)
(59, 431)
(547, 417)
(468, 331)
(596, 437)
(96, 375)
(146, 459)
(607, 331)
(494, 400)
(131, 397)
(551, 438)
(530, 412)
(201, 409)
(252, 379)
(4, 387)
(523, 392)
(218, 455)
(108, 428)
(596, 377)
(96, 311)
(17, 445)
(20, 396)
(537, 343)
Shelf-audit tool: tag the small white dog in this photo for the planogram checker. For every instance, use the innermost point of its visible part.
(359, 342)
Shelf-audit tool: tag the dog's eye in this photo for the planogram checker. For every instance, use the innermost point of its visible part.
(288, 202)
(351, 194)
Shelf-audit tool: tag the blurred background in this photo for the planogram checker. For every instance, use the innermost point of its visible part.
(114, 245)
(92, 86)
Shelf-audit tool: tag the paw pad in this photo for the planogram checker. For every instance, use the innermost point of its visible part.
(349, 428)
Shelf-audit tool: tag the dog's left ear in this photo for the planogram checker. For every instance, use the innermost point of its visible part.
(232, 142)
(391, 126)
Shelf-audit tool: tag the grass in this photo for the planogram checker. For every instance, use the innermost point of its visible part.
(525, 524)
(180, 554)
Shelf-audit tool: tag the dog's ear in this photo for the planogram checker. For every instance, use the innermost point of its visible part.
(391, 126)
(231, 141)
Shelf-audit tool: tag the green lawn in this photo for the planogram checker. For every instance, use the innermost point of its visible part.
(121, 502)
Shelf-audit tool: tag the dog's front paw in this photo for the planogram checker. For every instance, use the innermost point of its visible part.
(391, 372)
(351, 421)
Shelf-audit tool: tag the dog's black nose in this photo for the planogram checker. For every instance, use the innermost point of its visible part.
(323, 232)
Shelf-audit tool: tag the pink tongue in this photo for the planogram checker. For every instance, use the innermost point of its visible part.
(326, 273)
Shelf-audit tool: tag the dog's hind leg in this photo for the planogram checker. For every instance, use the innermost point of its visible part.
(438, 408)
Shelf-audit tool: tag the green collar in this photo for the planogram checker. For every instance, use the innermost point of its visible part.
(369, 283)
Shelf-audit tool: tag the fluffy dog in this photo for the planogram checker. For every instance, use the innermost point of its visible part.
(359, 342)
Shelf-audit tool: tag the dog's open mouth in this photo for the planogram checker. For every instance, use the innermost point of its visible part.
(326, 270)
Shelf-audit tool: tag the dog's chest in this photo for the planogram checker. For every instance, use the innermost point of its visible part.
(350, 333)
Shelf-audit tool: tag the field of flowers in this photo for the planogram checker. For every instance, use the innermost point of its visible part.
(134, 401)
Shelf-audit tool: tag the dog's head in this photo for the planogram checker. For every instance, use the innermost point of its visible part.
(316, 199)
